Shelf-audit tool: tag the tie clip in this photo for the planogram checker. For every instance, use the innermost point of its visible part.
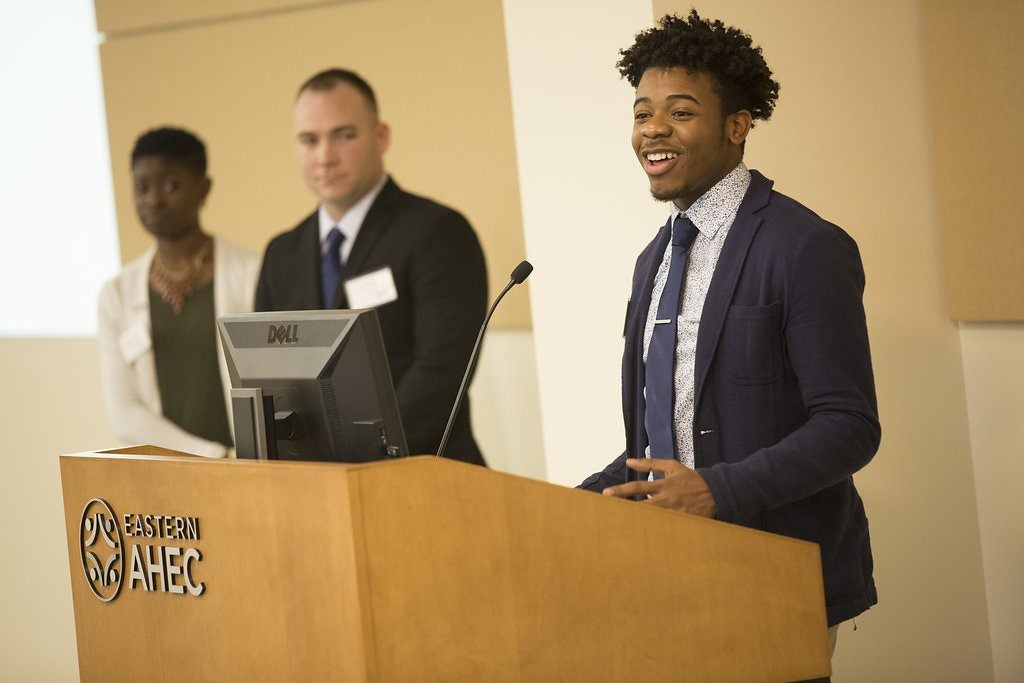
(661, 322)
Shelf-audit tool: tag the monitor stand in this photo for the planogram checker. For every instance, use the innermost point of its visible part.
(255, 428)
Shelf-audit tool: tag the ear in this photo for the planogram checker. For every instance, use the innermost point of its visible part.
(737, 125)
(383, 133)
(204, 189)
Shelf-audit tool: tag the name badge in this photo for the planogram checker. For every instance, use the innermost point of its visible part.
(372, 289)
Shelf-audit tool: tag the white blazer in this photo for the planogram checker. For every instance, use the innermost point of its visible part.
(127, 366)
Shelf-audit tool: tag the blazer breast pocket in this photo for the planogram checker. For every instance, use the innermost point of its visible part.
(752, 344)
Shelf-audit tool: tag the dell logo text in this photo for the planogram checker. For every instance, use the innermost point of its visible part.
(283, 334)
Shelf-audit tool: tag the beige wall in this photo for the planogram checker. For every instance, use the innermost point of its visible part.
(993, 362)
(586, 214)
(974, 60)
(49, 405)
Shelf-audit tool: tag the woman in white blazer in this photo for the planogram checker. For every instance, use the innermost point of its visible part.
(170, 183)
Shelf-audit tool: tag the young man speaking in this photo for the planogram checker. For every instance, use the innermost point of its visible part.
(747, 387)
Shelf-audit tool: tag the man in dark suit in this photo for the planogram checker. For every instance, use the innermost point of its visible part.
(746, 375)
(370, 244)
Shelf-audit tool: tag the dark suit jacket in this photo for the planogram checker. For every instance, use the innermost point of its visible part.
(429, 331)
(785, 401)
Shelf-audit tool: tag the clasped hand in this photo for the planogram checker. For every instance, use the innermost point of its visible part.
(681, 489)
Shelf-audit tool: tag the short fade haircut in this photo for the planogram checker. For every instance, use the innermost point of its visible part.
(328, 78)
(176, 144)
(740, 76)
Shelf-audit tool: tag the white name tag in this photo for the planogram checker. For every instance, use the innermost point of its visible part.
(134, 342)
(372, 289)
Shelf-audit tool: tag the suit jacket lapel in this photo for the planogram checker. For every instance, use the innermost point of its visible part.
(370, 233)
(633, 373)
(649, 270)
(305, 265)
(727, 275)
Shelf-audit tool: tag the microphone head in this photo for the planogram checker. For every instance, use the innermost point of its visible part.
(521, 272)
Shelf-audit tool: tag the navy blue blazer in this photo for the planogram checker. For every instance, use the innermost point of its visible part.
(785, 400)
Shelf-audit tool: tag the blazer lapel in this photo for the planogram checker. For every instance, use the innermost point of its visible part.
(633, 356)
(648, 270)
(137, 289)
(370, 233)
(642, 289)
(727, 275)
(305, 266)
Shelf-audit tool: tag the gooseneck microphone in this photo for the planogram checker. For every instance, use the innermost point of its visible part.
(519, 273)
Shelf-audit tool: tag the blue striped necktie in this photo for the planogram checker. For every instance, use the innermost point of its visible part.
(659, 377)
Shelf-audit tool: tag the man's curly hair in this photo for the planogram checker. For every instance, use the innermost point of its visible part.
(741, 77)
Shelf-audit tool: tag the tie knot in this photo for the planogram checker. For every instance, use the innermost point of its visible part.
(334, 238)
(684, 232)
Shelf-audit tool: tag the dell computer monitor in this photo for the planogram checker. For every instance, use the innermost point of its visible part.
(311, 385)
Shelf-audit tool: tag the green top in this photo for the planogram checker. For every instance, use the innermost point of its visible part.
(187, 371)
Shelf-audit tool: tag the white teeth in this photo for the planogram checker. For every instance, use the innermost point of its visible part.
(661, 156)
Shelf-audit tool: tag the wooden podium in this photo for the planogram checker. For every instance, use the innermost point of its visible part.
(420, 569)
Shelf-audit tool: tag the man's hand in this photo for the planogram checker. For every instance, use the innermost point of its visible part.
(682, 489)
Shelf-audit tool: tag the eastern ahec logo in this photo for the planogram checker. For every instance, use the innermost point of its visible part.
(157, 562)
(102, 549)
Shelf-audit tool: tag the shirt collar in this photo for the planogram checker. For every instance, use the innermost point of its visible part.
(717, 207)
(353, 219)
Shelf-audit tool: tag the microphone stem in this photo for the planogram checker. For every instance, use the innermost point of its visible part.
(469, 369)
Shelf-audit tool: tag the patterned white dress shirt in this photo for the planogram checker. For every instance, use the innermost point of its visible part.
(713, 214)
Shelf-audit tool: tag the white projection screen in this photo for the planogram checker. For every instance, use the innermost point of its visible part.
(56, 201)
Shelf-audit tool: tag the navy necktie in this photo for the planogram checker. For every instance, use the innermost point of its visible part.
(330, 267)
(659, 378)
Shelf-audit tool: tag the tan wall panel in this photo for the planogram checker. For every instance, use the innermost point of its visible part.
(440, 72)
(974, 63)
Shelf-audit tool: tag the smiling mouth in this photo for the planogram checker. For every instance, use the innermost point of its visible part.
(656, 163)
(660, 156)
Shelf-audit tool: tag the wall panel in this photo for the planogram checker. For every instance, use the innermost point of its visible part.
(976, 93)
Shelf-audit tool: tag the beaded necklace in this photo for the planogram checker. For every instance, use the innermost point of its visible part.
(175, 286)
